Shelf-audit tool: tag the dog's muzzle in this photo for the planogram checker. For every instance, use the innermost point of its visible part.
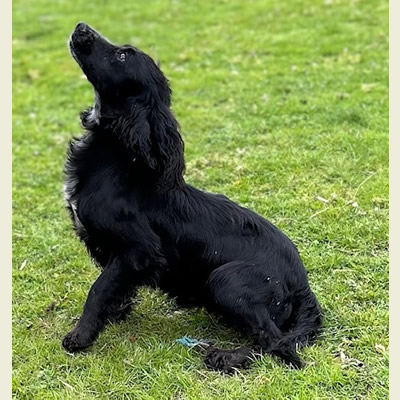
(82, 38)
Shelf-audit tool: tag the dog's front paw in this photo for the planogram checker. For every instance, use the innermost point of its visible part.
(76, 341)
(228, 360)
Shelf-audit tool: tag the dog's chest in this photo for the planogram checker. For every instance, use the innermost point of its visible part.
(95, 174)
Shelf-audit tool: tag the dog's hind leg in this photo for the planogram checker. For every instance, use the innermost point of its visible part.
(108, 301)
(239, 292)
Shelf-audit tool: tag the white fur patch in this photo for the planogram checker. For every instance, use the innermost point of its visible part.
(94, 114)
(72, 180)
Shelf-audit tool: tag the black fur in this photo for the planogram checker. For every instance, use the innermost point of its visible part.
(144, 225)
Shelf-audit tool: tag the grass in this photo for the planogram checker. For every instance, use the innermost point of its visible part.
(283, 107)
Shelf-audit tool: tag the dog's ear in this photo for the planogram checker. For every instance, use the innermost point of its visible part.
(153, 135)
(168, 146)
(135, 133)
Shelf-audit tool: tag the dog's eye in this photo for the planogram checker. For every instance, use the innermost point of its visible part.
(122, 57)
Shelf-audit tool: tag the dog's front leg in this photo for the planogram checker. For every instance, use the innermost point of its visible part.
(107, 300)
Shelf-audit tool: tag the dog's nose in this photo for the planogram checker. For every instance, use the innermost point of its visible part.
(82, 27)
(82, 38)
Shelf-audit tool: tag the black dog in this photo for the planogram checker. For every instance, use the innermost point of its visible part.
(144, 225)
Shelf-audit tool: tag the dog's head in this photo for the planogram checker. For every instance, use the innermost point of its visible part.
(117, 73)
(132, 100)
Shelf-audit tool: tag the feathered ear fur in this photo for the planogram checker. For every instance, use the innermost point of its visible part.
(167, 146)
(134, 131)
(153, 135)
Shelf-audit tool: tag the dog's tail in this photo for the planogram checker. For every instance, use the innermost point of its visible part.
(307, 323)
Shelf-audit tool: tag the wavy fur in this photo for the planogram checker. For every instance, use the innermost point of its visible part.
(144, 225)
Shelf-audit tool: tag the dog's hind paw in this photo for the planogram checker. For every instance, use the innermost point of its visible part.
(228, 360)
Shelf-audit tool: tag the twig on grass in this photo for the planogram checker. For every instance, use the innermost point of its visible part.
(67, 385)
(352, 202)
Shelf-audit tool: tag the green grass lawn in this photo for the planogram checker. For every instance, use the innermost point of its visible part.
(283, 107)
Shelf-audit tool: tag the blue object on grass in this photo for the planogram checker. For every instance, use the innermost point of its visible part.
(189, 342)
